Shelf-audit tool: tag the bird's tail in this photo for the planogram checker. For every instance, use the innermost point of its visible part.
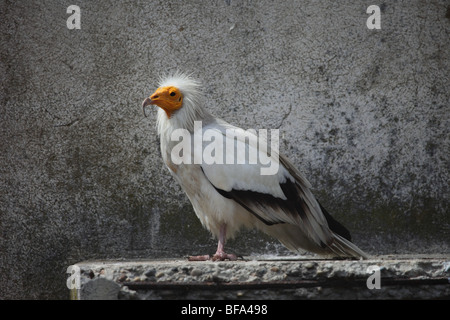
(344, 248)
(293, 238)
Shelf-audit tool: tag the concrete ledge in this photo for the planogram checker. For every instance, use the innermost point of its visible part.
(404, 277)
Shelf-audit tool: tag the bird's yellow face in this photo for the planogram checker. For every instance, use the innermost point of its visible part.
(170, 99)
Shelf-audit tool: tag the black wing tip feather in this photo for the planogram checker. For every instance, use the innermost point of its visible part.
(238, 195)
(335, 226)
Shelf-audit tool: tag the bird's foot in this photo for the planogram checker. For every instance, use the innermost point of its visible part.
(218, 256)
(221, 256)
(199, 258)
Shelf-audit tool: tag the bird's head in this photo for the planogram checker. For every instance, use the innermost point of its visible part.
(174, 92)
(168, 98)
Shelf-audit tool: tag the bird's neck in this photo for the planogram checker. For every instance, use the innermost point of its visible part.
(183, 118)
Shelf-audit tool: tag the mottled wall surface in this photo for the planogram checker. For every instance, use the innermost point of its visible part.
(363, 113)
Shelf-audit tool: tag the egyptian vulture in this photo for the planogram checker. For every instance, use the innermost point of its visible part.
(229, 195)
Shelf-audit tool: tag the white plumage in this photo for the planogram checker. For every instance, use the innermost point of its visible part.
(227, 197)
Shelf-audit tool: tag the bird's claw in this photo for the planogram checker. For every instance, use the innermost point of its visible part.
(218, 256)
(199, 258)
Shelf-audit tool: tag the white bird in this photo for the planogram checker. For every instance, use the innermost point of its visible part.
(227, 197)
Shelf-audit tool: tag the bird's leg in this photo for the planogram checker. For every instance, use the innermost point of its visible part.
(220, 253)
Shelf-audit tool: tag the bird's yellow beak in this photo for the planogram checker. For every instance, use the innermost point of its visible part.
(170, 99)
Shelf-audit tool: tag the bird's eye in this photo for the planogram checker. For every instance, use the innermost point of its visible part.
(172, 94)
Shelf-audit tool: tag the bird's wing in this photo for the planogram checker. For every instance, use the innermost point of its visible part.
(283, 197)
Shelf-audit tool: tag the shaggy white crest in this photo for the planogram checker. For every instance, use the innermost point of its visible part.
(192, 109)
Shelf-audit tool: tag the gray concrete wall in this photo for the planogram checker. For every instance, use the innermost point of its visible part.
(363, 113)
